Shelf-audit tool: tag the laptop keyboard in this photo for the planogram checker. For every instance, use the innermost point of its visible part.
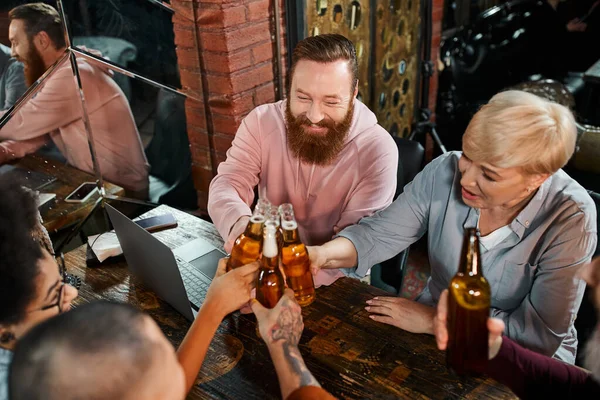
(196, 284)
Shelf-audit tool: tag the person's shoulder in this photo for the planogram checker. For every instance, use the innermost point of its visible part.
(374, 141)
(446, 163)
(15, 67)
(566, 194)
(268, 111)
(266, 118)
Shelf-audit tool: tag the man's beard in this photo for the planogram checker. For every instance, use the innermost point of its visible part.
(591, 360)
(34, 65)
(314, 148)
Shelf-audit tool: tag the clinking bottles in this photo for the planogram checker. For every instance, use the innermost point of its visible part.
(468, 310)
(294, 258)
(247, 246)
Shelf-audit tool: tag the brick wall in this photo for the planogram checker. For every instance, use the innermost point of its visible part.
(229, 68)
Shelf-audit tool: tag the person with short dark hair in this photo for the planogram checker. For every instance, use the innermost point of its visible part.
(32, 288)
(106, 351)
(320, 149)
(55, 113)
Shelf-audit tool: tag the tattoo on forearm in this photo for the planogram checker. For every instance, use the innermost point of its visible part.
(288, 330)
(296, 363)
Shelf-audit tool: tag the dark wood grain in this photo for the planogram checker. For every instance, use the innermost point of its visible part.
(63, 214)
(352, 356)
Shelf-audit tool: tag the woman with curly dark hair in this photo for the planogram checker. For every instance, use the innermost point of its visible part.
(32, 287)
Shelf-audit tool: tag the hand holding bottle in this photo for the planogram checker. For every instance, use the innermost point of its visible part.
(440, 328)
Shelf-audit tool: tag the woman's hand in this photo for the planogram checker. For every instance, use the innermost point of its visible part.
(402, 313)
(231, 290)
(317, 258)
(495, 327)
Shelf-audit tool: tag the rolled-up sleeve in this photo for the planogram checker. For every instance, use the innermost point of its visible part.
(387, 232)
(543, 319)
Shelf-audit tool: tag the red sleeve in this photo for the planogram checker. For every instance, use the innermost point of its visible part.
(532, 375)
(310, 393)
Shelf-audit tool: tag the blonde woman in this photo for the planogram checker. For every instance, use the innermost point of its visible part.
(538, 226)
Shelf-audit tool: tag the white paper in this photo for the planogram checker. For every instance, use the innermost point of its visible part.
(105, 245)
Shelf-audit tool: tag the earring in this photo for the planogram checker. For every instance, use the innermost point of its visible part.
(7, 337)
(528, 190)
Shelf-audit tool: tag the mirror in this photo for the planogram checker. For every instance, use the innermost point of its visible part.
(153, 148)
(94, 106)
(136, 35)
(43, 134)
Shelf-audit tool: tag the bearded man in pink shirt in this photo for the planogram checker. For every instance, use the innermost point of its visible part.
(55, 112)
(321, 150)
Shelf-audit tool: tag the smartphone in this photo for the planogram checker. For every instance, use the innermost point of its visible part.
(158, 223)
(82, 193)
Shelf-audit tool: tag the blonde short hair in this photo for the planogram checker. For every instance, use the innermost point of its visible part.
(519, 129)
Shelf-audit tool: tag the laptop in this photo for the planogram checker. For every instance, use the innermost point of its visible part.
(180, 276)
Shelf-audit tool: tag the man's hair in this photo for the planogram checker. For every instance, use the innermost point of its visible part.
(98, 351)
(19, 251)
(40, 17)
(325, 49)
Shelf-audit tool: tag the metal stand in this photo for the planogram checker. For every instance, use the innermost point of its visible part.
(424, 124)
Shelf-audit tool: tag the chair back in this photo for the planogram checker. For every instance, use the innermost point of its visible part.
(410, 162)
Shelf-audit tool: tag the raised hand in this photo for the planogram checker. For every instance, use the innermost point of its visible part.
(231, 290)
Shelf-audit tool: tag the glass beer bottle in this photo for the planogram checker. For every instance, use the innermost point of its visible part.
(269, 283)
(294, 258)
(468, 311)
(273, 217)
(247, 246)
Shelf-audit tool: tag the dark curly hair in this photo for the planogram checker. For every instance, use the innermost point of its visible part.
(19, 251)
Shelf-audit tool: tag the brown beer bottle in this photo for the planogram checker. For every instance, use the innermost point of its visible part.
(468, 311)
(294, 258)
(269, 283)
(247, 246)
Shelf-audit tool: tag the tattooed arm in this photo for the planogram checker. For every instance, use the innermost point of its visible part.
(281, 328)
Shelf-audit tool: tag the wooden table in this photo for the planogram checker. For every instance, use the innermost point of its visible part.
(68, 178)
(352, 356)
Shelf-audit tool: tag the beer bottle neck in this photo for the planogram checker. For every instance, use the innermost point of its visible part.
(290, 231)
(270, 248)
(291, 236)
(270, 262)
(471, 263)
(255, 227)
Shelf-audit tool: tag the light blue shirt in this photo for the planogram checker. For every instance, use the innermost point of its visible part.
(5, 360)
(12, 79)
(532, 272)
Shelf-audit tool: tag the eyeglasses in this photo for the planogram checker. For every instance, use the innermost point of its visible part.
(69, 279)
(66, 279)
